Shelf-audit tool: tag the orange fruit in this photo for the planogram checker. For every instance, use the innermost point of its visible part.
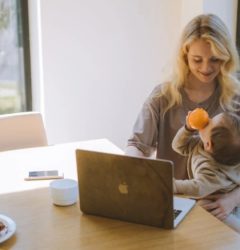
(198, 118)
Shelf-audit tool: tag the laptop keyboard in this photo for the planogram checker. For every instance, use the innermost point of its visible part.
(176, 213)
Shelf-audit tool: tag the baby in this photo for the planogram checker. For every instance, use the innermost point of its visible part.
(213, 155)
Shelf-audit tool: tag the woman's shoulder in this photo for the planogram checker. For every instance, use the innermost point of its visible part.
(157, 96)
(161, 95)
(158, 90)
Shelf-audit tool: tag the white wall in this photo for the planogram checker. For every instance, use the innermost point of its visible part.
(36, 55)
(226, 10)
(189, 10)
(99, 59)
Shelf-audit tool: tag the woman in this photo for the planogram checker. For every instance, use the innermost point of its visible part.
(204, 77)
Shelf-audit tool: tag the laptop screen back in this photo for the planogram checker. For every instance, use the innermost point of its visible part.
(126, 188)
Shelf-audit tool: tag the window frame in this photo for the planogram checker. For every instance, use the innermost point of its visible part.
(23, 16)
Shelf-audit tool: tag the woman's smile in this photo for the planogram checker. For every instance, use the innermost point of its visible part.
(203, 64)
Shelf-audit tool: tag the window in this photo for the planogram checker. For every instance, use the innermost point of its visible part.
(15, 74)
(238, 28)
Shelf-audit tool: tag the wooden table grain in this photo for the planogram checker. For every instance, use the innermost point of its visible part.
(44, 226)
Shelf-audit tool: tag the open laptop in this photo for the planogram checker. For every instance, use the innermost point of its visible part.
(132, 189)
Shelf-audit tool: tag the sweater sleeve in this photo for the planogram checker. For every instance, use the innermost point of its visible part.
(207, 180)
(184, 141)
(145, 130)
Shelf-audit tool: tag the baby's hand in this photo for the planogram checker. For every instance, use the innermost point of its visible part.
(188, 126)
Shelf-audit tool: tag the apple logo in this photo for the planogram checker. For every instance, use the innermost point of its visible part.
(123, 188)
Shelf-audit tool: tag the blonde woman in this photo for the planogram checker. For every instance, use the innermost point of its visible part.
(204, 77)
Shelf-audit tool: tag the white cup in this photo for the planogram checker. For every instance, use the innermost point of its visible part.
(64, 192)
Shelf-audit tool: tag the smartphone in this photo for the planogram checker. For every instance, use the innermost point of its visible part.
(43, 175)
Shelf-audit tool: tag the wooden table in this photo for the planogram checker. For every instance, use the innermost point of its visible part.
(42, 225)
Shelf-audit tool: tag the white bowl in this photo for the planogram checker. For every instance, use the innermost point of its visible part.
(64, 192)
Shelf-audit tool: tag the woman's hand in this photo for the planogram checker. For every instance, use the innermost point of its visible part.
(133, 151)
(221, 205)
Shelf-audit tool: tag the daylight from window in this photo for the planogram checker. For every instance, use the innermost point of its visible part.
(12, 82)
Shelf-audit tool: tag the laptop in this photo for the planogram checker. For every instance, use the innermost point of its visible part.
(132, 189)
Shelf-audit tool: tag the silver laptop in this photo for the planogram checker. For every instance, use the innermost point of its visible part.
(138, 190)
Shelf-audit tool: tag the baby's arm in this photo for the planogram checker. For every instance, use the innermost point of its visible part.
(191, 188)
(207, 180)
(184, 141)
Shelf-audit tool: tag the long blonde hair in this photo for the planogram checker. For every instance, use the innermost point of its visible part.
(210, 28)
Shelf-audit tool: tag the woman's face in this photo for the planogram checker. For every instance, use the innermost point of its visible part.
(203, 65)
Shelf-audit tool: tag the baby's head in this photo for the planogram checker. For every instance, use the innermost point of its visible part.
(221, 138)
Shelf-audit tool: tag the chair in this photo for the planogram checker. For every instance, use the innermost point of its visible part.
(22, 130)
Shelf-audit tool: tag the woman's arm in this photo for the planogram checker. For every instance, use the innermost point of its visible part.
(223, 204)
(143, 140)
(134, 151)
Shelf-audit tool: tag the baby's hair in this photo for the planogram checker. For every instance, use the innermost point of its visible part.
(225, 140)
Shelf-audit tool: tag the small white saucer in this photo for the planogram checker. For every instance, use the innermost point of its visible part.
(10, 230)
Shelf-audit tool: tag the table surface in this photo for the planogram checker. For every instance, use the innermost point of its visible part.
(42, 225)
